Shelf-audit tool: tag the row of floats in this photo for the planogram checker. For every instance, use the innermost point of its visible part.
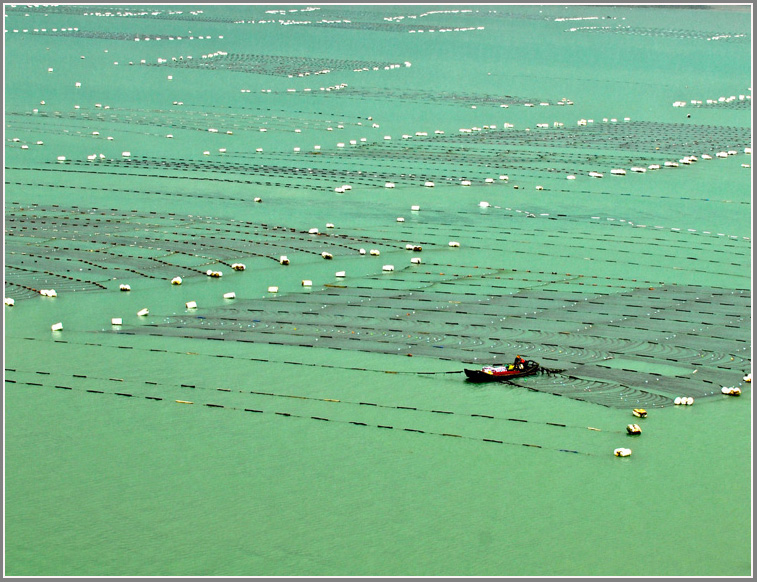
(635, 429)
(686, 161)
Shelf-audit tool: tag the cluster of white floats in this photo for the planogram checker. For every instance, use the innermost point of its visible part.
(685, 161)
(717, 101)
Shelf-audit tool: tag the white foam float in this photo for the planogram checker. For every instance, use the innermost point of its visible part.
(375, 252)
(389, 185)
(622, 452)
(340, 274)
(143, 312)
(454, 243)
(307, 283)
(387, 268)
(230, 295)
(176, 281)
(273, 289)
(284, 260)
(484, 204)
(361, 251)
(415, 208)
(326, 255)
(56, 326)
(124, 287)
(415, 260)
(10, 302)
(116, 321)
(400, 219)
(191, 304)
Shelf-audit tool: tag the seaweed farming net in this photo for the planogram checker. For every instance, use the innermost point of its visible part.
(608, 351)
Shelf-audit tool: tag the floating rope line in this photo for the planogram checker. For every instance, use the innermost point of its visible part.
(234, 240)
(610, 388)
(293, 415)
(319, 399)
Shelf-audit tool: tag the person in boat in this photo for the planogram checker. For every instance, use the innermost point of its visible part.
(519, 363)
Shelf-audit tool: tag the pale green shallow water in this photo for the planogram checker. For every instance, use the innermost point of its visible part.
(104, 485)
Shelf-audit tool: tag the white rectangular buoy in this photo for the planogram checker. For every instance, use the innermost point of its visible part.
(307, 283)
(340, 273)
(142, 312)
(191, 304)
(273, 289)
(231, 295)
(57, 326)
(416, 260)
(387, 268)
(116, 321)
(454, 243)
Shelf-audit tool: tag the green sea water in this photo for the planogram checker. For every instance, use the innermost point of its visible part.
(115, 465)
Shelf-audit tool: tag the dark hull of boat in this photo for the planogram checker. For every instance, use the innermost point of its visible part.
(481, 376)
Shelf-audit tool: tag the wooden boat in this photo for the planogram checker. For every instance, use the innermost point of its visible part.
(518, 369)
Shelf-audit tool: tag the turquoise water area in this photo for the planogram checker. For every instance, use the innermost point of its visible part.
(327, 429)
